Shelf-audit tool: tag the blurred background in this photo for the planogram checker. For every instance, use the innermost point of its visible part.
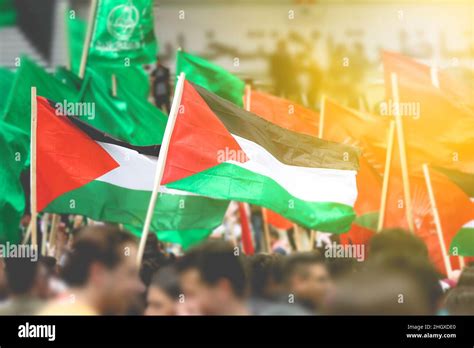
(293, 48)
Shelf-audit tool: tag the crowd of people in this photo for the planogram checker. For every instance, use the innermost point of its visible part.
(96, 273)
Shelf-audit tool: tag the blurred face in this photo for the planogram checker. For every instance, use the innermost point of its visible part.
(199, 297)
(121, 285)
(159, 303)
(312, 285)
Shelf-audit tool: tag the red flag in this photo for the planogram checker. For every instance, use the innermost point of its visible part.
(246, 233)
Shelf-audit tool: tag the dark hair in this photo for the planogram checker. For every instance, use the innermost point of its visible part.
(467, 277)
(101, 244)
(377, 292)
(264, 268)
(49, 263)
(397, 241)
(215, 260)
(21, 274)
(166, 279)
(296, 263)
(460, 301)
(420, 270)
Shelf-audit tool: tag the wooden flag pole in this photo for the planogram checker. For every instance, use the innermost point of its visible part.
(27, 233)
(313, 233)
(296, 236)
(160, 164)
(34, 213)
(403, 156)
(462, 262)
(321, 117)
(437, 220)
(54, 228)
(44, 233)
(114, 85)
(266, 231)
(386, 175)
(88, 38)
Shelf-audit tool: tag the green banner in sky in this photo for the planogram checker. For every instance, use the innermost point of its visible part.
(123, 33)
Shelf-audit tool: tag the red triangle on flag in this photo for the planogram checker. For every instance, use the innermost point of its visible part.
(67, 158)
(199, 140)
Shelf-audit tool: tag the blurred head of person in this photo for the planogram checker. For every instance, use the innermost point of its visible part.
(460, 301)
(266, 275)
(401, 251)
(23, 277)
(467, 277)
(46, 271)
(307, 278)
(163, 292)
(102, 268)
(377, 292)
(213, 279)
(399, 242)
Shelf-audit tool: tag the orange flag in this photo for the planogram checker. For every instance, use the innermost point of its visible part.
(284, 113)
(438, 125)
(454, 208)
(276, 220)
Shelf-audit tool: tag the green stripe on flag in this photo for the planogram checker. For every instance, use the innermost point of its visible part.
(176, 216)
(228, 181)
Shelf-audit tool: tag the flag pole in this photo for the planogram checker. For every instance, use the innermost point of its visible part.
(437, 220)
(462, 262)
(53, 231)
(114, 85)
(34, 213)
(44, 233)
(314, 233)
(403, 156)
(160, 164)
(88, 38)
(321, 117)
(266, 231)
(386, 175)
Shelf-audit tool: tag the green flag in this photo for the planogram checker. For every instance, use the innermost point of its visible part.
(211, 77)
(6, 82)
(14, 144)
(125, 117)
(128, 119)
(7, 13)
(123, 33)
(132, 78)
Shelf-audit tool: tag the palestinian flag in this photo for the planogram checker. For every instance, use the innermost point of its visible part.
(81, 170)
(463, 242)
(222, 151)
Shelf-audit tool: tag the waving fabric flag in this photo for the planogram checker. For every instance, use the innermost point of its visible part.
(81, 170)
(284, 113)
(221, 151)
(211, 76)
(438, 127)
(130, 79)
(123, 33)
(14, 143)
(463, 241)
